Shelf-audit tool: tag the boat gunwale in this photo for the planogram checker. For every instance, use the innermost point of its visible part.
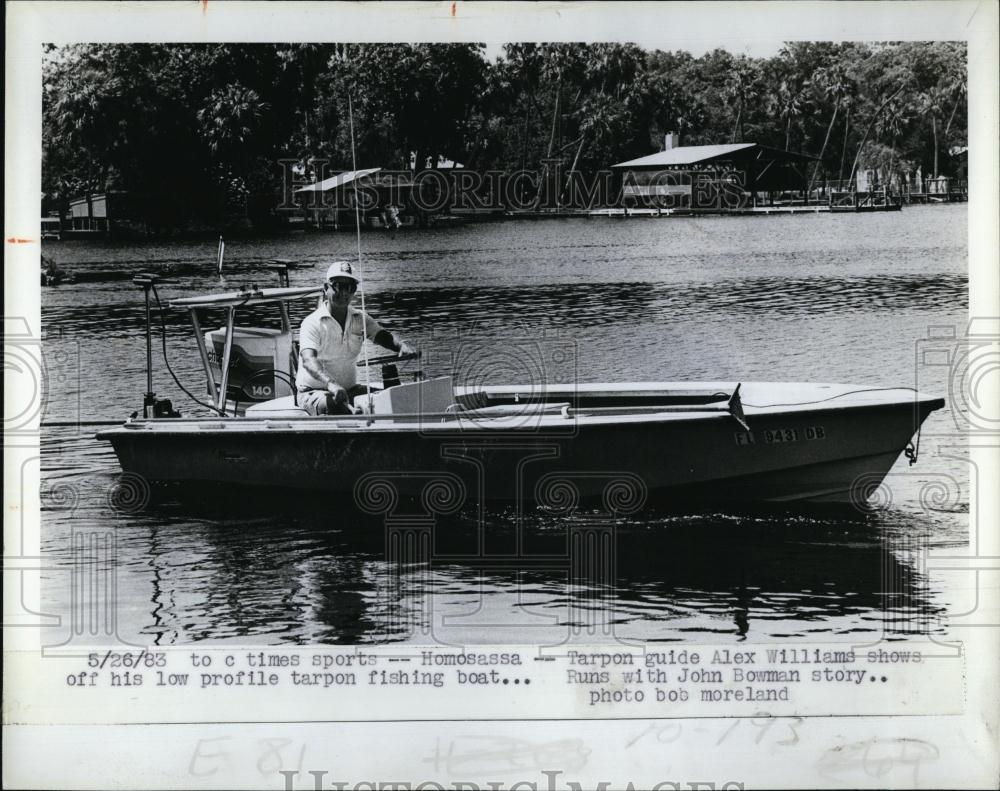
(422, 424)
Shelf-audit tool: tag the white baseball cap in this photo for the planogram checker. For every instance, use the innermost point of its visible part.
(342, 269)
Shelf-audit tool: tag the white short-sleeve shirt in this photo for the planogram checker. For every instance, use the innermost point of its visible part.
(336, 347)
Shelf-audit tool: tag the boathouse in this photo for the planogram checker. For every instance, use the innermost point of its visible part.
(384, 199)
(89, 213)
(732, 176)
(106, 214)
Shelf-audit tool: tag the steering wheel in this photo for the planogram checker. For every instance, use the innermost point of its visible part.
(389, 359)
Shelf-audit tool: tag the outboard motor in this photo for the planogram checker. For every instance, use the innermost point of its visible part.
(257, 353)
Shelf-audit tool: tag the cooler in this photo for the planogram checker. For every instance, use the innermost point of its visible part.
(414, 398)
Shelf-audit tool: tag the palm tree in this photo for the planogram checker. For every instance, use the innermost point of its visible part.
(893, 121)
(231, 116)
(848, 104)
(871, 123)
(833, 83)
(785, 103)
(743, 87)
(559, 62)
(932, 103)
(229, 121)
(609, 68)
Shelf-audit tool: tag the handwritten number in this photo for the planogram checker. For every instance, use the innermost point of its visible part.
(795, 734)
(725, 734)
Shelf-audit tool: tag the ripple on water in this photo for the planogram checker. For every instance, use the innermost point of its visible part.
(835, 298)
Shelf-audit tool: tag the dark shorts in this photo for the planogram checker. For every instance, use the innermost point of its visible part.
(321, 402)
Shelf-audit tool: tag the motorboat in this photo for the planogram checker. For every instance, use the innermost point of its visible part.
(549, 444)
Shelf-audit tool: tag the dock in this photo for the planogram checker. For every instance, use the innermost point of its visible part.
(832, 202)
(750, 210)
(818, 208)
(957, 196)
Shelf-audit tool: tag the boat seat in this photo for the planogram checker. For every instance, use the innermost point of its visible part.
(286, 407)
(276, 407)
(424, 397)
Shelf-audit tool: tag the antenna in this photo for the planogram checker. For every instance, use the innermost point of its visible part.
(361, 270)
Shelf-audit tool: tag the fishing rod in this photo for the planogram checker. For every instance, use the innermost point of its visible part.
(361, 269)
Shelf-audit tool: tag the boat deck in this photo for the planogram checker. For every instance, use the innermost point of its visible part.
(531, 407)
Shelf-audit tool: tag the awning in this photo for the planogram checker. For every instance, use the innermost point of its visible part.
(338, 181)
(703, 155)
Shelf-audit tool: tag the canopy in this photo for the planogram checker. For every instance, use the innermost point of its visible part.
(700, 155)
(338, 181)
(257, 297)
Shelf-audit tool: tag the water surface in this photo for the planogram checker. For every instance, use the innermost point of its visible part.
(797, 298)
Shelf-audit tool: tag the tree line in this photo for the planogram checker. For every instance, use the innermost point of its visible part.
(199, 129)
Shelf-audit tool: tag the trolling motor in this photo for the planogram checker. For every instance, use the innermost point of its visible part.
(162, 407)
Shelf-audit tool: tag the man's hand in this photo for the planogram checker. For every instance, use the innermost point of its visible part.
(405, 348)
(339, 393)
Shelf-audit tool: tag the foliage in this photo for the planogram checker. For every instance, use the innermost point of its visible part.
(198, 130)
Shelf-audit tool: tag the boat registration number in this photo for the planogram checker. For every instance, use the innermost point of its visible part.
(779, 435)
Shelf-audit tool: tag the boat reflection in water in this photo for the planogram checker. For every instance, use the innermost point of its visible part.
(305, 572)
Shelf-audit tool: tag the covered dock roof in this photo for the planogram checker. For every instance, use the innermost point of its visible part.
(338, 181)
(684, 156)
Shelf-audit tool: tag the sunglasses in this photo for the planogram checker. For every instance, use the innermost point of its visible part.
(343, 285)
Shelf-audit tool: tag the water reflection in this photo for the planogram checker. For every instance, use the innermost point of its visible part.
(299, 572)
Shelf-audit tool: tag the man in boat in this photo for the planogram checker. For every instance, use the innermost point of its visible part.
(330, 341)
